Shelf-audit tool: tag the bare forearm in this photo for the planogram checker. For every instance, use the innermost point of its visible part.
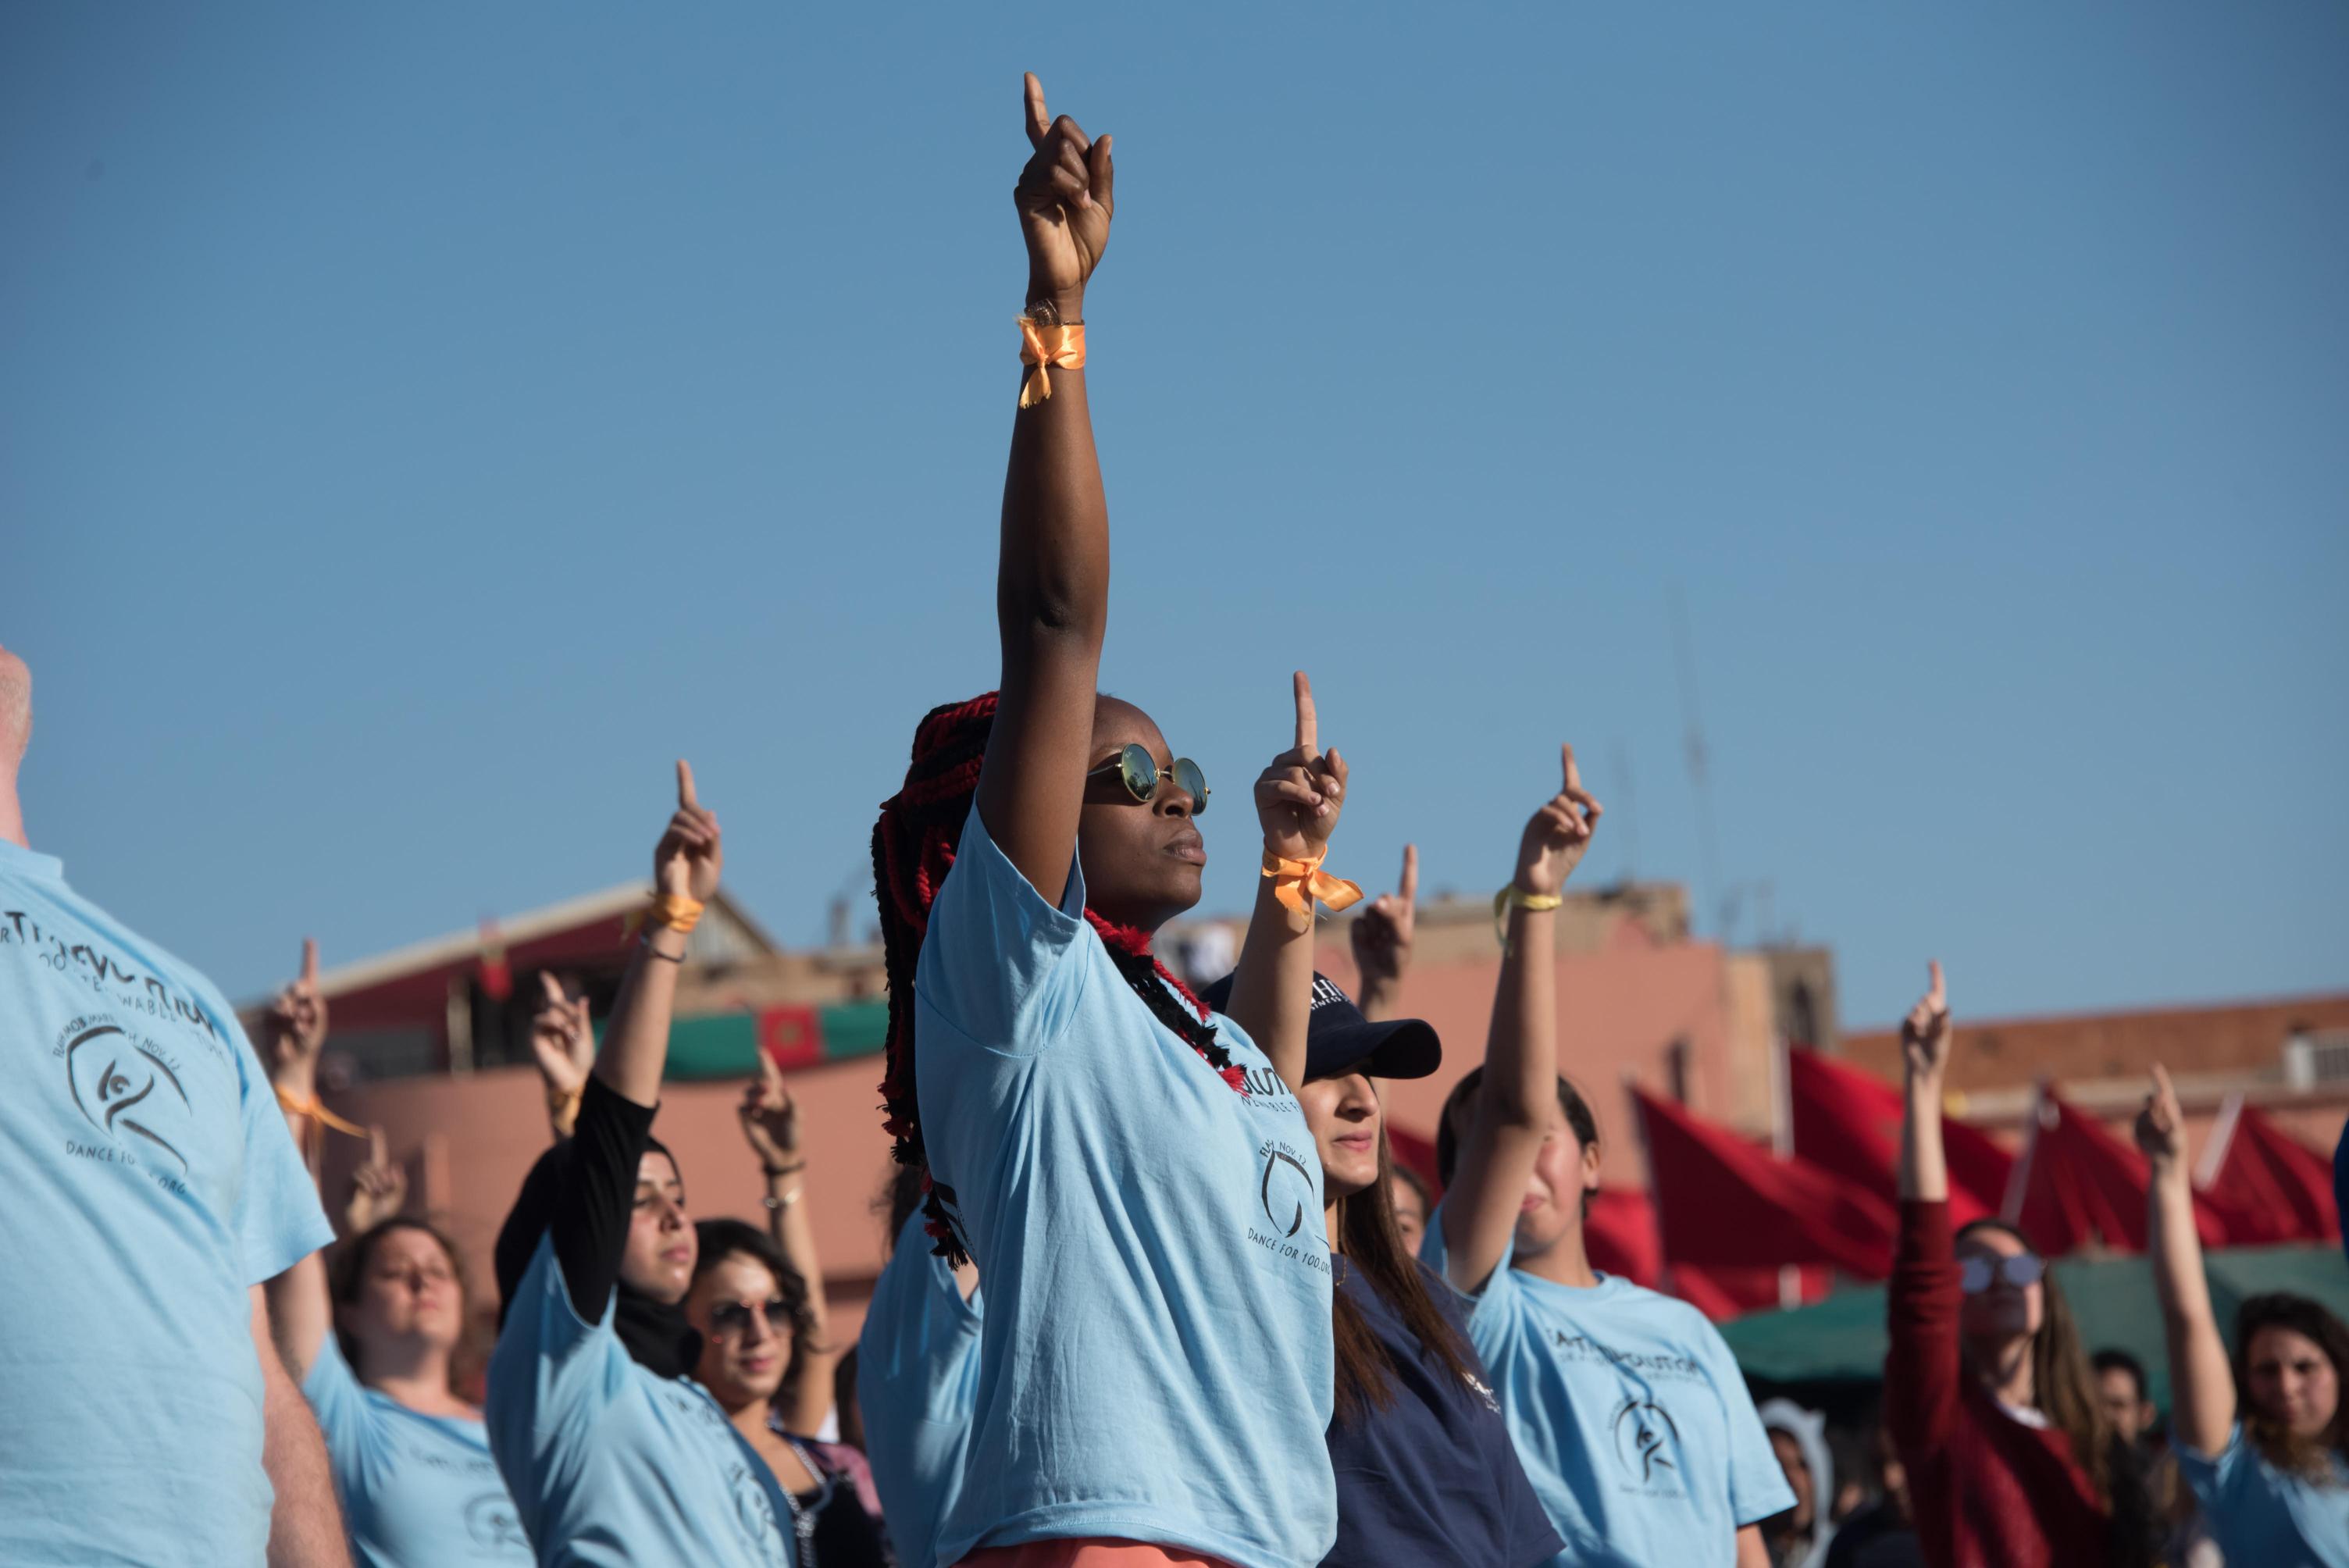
(305, 1526)
(1924, 1169)
(1272, 991)
(1521, 1042)
(635, 1043)
(2201, 1382)
(299, 1313)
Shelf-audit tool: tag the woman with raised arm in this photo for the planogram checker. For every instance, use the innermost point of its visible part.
(1155, 1372)
(1628, 1412)
(2270, 1477)
(372, 1339)
(615, 1454)
(1987, 1391)
(758, 1303)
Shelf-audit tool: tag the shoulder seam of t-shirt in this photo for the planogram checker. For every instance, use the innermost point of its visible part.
(937, 1016)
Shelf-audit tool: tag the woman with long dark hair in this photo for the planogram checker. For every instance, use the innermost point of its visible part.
(2265, 1442)
(614, 1452)
(1154, 1367)
(1425, 1470)
(1988, 1391)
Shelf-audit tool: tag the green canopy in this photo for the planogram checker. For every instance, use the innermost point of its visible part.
(1841, 1340)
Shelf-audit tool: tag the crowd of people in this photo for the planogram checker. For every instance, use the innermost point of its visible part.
(1157, 1292)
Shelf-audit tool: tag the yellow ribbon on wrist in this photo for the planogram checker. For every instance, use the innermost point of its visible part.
(675, 910)
(1043, 347)
(1297, 883)
(313, 1111)
(1511, 893)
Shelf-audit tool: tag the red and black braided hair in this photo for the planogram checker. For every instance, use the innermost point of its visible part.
(914, 847)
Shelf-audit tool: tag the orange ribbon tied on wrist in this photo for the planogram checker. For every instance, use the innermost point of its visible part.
(1297, 883)
(1043, 347)
(316, 1111)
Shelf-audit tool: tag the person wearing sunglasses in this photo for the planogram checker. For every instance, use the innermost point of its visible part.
(1988, 1390)
(614, 1452)
(756, 1318)
(1130, 1169)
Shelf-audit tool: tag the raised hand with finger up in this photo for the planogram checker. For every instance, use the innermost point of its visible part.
(1300, 795)
(690, 856)
(1925, 1032)
(1557, 835)
(1065, 197)
(378, 1188)
(1381, 937)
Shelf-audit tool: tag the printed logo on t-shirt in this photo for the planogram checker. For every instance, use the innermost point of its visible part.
(84, 963)
(131, 1090)
(491, 1520)
(1287, 1201)
(1648, 1446)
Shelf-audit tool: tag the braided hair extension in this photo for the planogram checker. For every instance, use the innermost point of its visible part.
(913, 846)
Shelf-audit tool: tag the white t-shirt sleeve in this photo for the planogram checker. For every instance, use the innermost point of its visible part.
(278, 1218)
(1758, 1481)
(995, 961)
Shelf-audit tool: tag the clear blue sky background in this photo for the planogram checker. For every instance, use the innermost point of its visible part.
(420, 424)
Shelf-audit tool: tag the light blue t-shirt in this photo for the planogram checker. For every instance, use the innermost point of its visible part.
(610, 1464)
(146, 1182)
(2260, 1516)
(418, 1490)
(916, 1384)
(1629, 1415)
(1155, 1362)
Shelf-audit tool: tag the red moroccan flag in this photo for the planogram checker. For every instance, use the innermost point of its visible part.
(2262, 1172)
(1721, 1203)
(1847, 1123)
(1620, 1235)
(2082, 1182)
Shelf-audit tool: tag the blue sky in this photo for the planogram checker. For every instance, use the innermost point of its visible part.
(420, 424)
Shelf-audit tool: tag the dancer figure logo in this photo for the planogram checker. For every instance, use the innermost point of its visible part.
(1282, 1189)
(1641, 1428)
(128, 1082)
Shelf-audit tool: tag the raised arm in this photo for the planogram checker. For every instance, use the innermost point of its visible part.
(2201, 1384)
(1924, 1057)
(1382, 938)
(292, 1033)
(771, 1125)
(1921, 1367)
(1051, 588)
(1519, 1103)
(563, 1043)
(686, 864)
(1297, 799)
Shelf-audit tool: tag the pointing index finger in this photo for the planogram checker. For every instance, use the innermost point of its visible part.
(1938, 995)
(1304, 721)
(684, 795)
(1408, 888)
(1573, 774)
(376, 1153)
(309, 961)
(1038, 122)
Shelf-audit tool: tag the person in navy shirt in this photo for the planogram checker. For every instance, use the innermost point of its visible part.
(1424, 1467)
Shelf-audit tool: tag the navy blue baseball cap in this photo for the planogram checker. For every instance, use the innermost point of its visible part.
(1340, 1039)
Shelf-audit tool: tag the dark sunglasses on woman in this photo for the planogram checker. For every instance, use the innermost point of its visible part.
(1978, 1274)
(1140, 773)
(734, 1316)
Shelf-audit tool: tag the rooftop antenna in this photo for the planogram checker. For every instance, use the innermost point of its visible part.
(1620, 787)
(1708, 851)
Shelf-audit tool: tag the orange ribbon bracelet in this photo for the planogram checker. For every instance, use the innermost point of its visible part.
(1043, 347)
(316, 1111)
(1297, 883)
(673, 912)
